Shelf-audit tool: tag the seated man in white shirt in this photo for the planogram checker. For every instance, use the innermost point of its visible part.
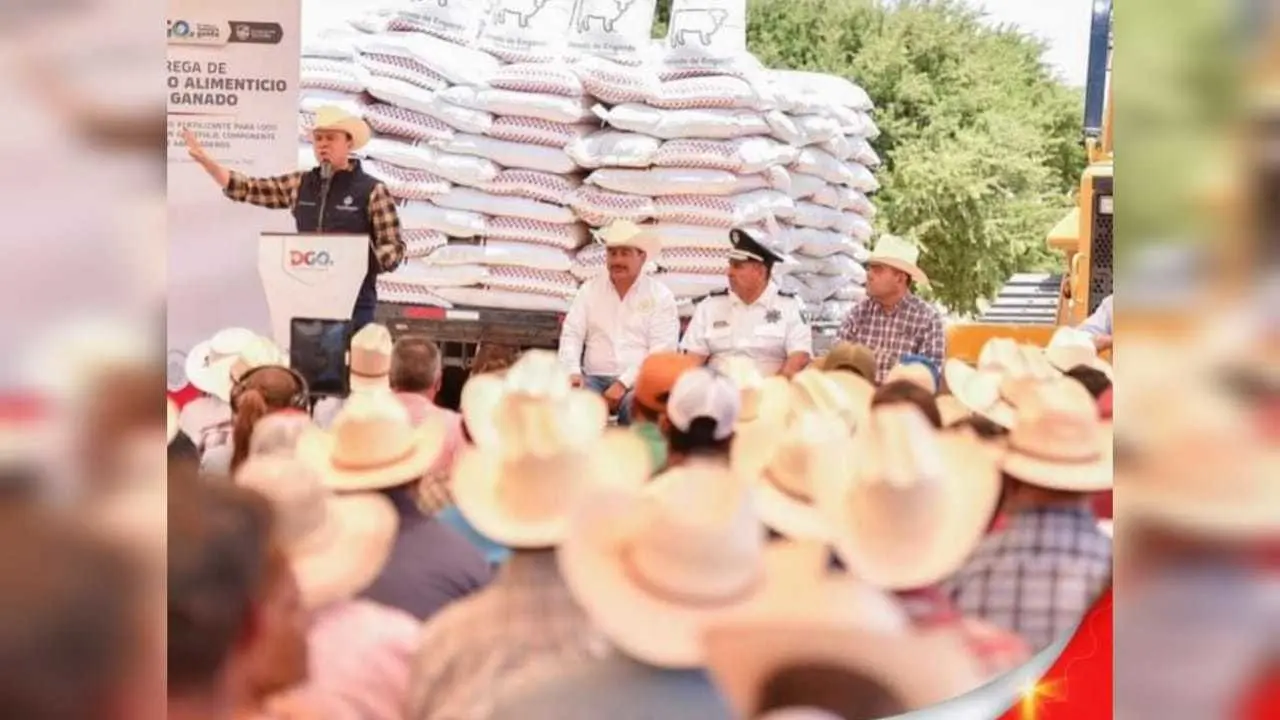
(1098, 325)
(619, 317)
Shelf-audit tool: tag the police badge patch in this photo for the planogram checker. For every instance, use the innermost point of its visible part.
(773, 316)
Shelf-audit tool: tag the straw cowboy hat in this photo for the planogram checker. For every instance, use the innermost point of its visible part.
(915, 669)
(916, 503)
(548, 448)
(784, 465)
(372, 445)
(899, 254)
(536, 374)
(209, 362)
(651, 566)
(1070, 347)
(915, 373)
(337, 544)
(330, 117)
(848, 357)
(624, 233)
(951, 410)
(257, 352)
(1164, 481)
(370, 364)
(764, 400)
(1058, 441)
(1004, 370)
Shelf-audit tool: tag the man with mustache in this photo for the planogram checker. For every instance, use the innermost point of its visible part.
(618, 318)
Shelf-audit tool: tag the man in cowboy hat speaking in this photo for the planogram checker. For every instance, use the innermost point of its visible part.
(336, 197)
(752, 318)
(620, 317)
(892, 321)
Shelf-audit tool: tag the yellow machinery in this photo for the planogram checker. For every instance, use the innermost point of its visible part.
(1035, 307)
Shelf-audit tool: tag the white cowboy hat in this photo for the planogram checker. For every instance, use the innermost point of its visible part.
(916, 669)
(1070, 347)
(652, 566)
(897, 253)
(372, 445)
(536, 377)
(764, 400)
(171, 420)
(917, 374)
(1004, 369)
(331, 117)
(370, 363)
(951, 410)
(209, 362)
(1058, 441)
(1204, 430)
(916, 503)
(337, 544)
(784, 464)
(521, 491)
(624, 233)
(785, 470)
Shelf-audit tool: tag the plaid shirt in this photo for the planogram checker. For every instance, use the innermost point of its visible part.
(474, 647)
(281, 193)
(1037, 576)
(996, 651)
(912, 327)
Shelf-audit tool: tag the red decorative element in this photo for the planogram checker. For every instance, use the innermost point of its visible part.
(1079, 685)
(184, 396)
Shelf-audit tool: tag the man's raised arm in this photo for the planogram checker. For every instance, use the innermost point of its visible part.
(279, 192)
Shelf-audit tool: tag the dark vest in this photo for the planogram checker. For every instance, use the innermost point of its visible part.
(345, 207)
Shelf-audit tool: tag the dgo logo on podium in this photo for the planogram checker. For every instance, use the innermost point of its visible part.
(314, 259)
(308, 264)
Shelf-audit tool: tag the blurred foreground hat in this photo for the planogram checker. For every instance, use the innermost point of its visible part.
(653, 565)
(1005, 369)
(544, 445)
(372, 445)
(1058, 441)
(705, 393)
(916, 503)
(657, 377)
(849, 357)
(337, 544)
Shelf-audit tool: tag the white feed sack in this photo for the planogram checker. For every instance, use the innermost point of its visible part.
(526, 30)
(457, 21)
(614, 29)
(706, 35)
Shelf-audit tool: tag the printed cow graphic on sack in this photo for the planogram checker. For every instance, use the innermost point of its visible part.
(702, 22)
(605, 13)
(524, 10)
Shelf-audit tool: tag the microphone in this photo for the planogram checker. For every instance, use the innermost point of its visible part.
(326, 170)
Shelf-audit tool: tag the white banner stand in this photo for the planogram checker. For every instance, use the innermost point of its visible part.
(310, 275)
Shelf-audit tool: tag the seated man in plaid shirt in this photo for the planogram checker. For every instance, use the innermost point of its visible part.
(892, 321)
(335, 197)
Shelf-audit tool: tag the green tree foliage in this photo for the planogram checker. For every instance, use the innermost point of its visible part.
(981, 143)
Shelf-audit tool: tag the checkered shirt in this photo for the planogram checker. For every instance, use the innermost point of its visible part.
(996, 651)
(912, 327)
(1036, 577)
(473, 648)
(281, 193)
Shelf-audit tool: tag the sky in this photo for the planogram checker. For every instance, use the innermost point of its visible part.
(1063, 24)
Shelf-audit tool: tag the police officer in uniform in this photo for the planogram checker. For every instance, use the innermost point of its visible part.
(337, 196)
(752, 318)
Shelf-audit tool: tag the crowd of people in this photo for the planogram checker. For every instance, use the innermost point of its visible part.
(741, 544)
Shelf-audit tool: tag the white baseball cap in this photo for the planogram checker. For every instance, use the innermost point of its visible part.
(705, 393)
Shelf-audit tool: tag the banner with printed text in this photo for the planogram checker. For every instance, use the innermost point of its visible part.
(232, 78)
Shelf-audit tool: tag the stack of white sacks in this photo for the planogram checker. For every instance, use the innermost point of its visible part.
(489, 127)
(471, 119)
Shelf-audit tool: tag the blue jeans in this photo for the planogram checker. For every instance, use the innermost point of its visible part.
(366, 302)
(600, 383)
